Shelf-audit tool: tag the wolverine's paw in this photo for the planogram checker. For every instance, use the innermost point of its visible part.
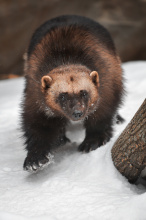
(33, 163)
(93, 143)
(88, 145)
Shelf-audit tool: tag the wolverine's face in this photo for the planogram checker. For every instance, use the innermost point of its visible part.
(73, 94)
(74, 106)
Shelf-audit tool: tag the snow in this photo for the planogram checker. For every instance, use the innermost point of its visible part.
(77, 185)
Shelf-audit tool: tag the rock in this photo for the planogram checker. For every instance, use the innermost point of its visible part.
(125, 20)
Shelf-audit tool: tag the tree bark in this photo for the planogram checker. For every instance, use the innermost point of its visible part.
(129, 151)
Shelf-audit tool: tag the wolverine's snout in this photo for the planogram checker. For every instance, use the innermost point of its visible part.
(77, 114)
(78, 111)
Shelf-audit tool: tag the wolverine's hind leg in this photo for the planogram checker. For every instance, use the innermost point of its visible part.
(119, 119)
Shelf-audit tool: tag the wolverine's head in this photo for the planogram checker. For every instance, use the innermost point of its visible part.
(72, 91)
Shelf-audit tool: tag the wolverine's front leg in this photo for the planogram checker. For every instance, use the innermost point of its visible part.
(97, 134)
(41, 139)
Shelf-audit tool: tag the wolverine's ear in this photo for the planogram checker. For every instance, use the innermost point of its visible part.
(95, 78)
(46, 81)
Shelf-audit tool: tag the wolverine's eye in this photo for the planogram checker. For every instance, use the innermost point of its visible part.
(83, 93)
(63, 96)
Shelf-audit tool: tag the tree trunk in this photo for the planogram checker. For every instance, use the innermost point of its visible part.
(129, 151)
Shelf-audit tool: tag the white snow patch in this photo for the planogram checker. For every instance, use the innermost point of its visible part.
(77, 186)
(75, 131)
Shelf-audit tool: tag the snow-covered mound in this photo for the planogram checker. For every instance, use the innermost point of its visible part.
(77, 185)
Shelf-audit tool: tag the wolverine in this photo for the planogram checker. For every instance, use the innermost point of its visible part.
(72, 73)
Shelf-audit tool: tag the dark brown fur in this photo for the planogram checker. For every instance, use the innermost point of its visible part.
(72, 46)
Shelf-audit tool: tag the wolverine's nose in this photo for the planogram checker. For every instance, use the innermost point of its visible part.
(77, 114)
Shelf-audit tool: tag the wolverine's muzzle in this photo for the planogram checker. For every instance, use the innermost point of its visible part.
(77, 114)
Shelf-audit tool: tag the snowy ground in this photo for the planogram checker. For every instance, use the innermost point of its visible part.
(77, 186)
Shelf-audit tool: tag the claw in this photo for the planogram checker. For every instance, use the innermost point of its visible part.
(34, 164)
